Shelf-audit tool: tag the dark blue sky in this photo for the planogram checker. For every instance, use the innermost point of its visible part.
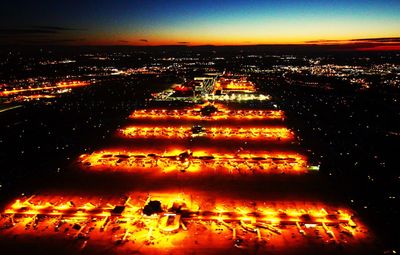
(208, 22)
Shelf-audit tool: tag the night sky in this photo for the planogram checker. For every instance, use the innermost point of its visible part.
(246, 22)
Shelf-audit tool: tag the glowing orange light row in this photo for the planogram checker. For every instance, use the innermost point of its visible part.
(197, 114)
(181, 207)
(178, 160)
(271, 133)
(59, 85)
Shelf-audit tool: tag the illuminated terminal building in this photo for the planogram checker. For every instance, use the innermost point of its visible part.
(196, 161)
(234, 89)
(233, 84)
(213, 88)
(172, 219)
(189, 91)
(252, 133)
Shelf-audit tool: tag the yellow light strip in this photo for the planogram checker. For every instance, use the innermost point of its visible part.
(59, 85)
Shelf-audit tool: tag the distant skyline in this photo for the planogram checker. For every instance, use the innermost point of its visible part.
(362, 25)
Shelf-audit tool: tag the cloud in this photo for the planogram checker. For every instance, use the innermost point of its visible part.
(144, 40)
(56, 28)
(35, 30)
(381, 43)
(38, 35)
(123, 41)
(7, 35)
(358, 40)
(48, 42)
(321, 41)
(13, 31)
(183, 42)
(384, 39)
(67, 40)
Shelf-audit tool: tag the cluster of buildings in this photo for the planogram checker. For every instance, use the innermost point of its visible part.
(215, 87)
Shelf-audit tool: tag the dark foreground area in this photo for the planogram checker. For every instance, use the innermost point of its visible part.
(354, 135)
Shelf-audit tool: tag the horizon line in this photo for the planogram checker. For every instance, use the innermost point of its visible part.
(351, 46)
